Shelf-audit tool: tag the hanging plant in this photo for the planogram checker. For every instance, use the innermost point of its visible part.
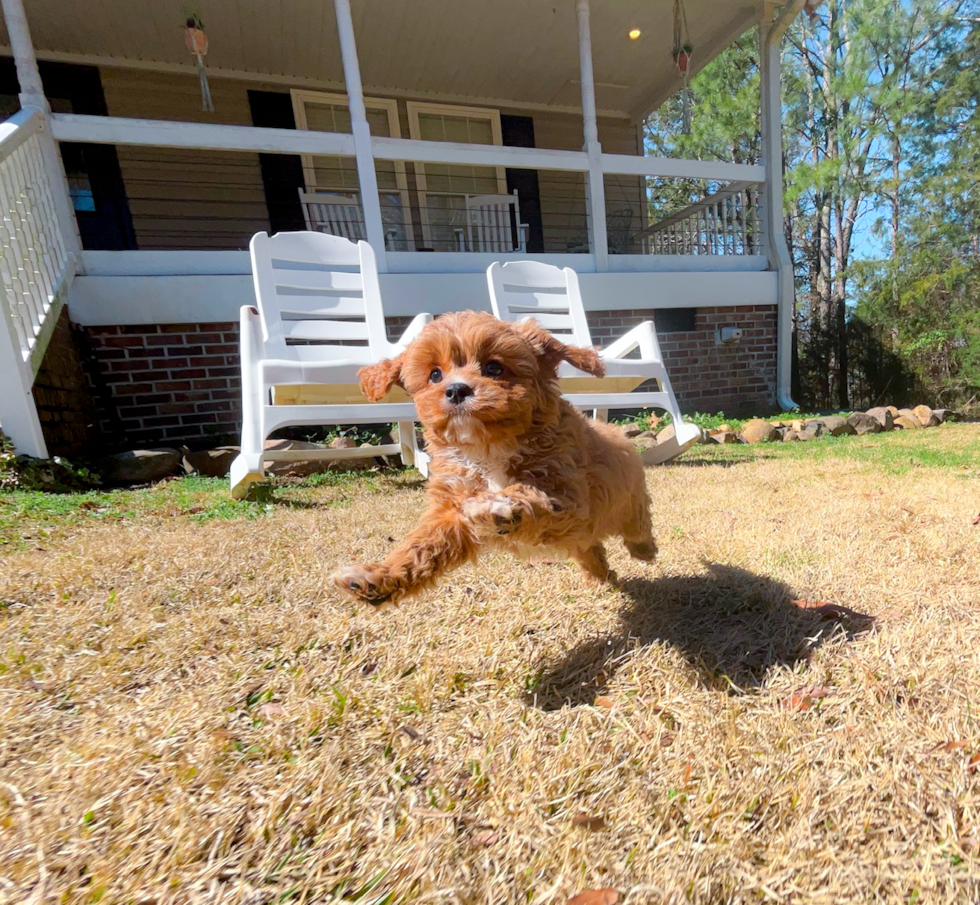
(682, 58)
(197, 43)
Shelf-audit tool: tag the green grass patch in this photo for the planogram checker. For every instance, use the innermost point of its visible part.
(951, 447)
(32, 516)
(707, 421)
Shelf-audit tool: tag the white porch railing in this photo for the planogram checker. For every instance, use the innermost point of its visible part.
(36, 268)
(725, 223)
(153, 133)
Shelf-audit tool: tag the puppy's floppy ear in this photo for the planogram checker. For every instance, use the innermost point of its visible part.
(553, 351)
(378, 378)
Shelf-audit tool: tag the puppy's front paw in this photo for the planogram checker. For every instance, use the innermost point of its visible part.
(365, 582)
(494, 513)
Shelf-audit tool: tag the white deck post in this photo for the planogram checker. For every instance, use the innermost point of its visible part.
(32, 95)
(770, 34)
(31, 90)
(18, 414)
(595, 195)
(366, 174)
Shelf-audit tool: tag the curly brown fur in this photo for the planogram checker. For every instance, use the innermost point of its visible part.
(513, 464)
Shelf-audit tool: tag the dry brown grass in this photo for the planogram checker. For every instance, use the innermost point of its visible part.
(188, 713)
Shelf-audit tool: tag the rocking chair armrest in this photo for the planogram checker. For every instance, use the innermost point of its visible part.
(250, 335)
(419, 322)
(643, 335)
(252, 348)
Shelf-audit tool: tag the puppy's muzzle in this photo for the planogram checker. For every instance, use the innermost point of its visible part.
(457, 393)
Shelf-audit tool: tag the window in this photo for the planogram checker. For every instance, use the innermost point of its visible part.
(443, 188)
(80, 189)
(322, 112)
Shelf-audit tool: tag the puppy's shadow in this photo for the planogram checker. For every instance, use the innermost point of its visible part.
(732, 626)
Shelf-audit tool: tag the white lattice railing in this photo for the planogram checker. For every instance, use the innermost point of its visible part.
(35, 262)
(725, 223)
(36, 267)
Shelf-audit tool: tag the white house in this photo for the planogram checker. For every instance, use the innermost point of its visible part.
(127, 208)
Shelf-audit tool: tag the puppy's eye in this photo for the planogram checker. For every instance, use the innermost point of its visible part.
(493, 369)
(435, 376)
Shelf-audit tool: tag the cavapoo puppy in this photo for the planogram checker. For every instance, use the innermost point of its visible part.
(514, 465)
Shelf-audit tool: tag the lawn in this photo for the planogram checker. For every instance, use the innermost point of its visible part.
(783, 708)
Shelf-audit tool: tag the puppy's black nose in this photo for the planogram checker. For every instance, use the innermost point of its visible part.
(457, 392)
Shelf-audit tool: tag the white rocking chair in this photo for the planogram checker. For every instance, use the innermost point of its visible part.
(493, 224)
(318, 296)
(333, 213)
(551, 296)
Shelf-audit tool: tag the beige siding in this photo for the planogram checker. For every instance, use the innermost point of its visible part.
(563, 194)
(187, 199)
(211, 199)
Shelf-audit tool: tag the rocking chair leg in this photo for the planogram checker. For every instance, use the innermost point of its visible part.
(245, 470)
(406, 438)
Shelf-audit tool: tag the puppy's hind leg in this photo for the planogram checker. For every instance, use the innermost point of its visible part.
(638, 530)
(593, 561)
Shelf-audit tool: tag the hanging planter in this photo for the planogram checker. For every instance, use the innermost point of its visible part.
(682, 58)
(197, 43)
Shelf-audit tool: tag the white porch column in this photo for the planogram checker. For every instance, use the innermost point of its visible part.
(31, 91)
(770, 34)
(18, 414)
(366, 174)
(595, 195)
(32, 95)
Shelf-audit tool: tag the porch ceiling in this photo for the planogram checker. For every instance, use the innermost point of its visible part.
(521, 52)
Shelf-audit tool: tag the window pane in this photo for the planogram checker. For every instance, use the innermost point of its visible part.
(464, 129)
(336, 173)
(441, 177)
(378, 121)
(327, 117)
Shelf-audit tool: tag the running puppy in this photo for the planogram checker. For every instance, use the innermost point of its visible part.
(513, 465)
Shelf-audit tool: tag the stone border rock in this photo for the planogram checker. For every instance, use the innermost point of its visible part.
(875, 420)
(759, 430)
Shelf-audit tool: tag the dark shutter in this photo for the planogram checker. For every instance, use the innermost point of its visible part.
(282, 174)
(518, 132)
(99, 196)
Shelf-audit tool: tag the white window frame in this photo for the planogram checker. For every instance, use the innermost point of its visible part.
(300, 97)
(415, 132)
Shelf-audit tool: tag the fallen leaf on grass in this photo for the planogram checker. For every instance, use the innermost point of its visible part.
(589, 821)
(802, 698)
(973, 763)
(947, 746)
(485, 837)
(603, 701)
(607, 896)
(976, 521)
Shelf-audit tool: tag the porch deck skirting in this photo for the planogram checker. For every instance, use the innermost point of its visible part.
(178, 383)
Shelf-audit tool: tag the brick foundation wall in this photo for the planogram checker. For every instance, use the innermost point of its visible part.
(64, 402)
(739, 379)
(180, 384)
(170, 384)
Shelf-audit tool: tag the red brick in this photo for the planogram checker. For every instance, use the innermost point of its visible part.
(132, 365)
